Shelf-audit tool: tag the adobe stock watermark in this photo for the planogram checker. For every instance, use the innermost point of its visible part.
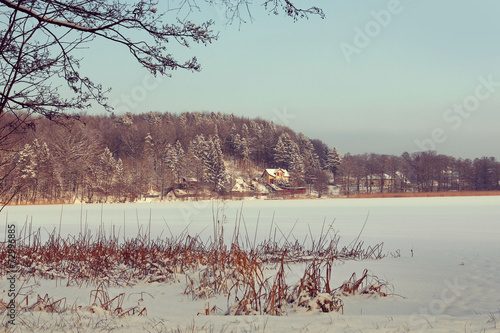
(139, 93)
(220, 10)
(282, 116)
(11, 273)
(456, 114)
(193, 209)
(425, 316)
(371, 30)
(252, 324)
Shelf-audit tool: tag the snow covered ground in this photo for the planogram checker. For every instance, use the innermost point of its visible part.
(450, 284)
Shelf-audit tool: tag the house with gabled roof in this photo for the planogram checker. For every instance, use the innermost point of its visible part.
(377, 180)
(272, 176)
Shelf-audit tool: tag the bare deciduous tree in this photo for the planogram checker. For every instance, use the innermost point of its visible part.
(40, 72)
(38, 39)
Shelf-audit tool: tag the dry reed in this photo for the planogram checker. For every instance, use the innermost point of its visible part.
(210, 268)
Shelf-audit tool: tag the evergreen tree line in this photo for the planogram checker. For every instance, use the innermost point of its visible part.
(121, 158)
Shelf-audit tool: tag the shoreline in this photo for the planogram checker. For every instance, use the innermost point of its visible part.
(384, 195)
(424, 194)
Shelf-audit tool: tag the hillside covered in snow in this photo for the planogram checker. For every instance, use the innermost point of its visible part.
(130, 157)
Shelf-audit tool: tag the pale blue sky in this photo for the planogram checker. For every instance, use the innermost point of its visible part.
(392, 94)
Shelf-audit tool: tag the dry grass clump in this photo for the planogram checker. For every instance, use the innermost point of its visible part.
(313, 292)
(210, 268)
(45, 303)
(367, 284)
(327, 246)
(100, 301)
(260, 296)
(224, 271)
(96, 259)
(100, 298)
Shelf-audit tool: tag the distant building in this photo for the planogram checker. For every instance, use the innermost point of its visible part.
(377, 180)
(272, 176)
(189, 183)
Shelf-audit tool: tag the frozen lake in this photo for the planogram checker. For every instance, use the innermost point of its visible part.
(399, 222)
(449, 285)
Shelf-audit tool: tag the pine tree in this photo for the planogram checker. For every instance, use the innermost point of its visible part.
(307, 152)
(255, 129)
(174, 160)
(333, 161)
(149, 166)
(170, 160)
(27, 163)
(180, 164)
(235, 143)
(216, 170)
(120, 183)
(148, 145)
(106, 172)
(27, 170)
(36, 171)
(244, 131)
(287, 154)
(281, 153)
(48, 180)
(244, 150)
(199, 149)
(295, 160)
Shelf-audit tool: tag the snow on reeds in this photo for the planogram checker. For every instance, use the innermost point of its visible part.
(211, 267)
(100, 302)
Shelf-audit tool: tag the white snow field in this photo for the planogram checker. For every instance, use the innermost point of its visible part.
(451, 283)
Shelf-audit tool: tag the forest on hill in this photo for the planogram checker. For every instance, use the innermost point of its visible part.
(123, 158)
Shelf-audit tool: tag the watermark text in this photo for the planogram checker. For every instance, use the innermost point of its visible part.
(11, 273)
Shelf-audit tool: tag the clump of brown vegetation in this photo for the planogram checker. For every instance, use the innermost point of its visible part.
(367, 284)
(100, 301)
(314, 292)
(209, 267)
